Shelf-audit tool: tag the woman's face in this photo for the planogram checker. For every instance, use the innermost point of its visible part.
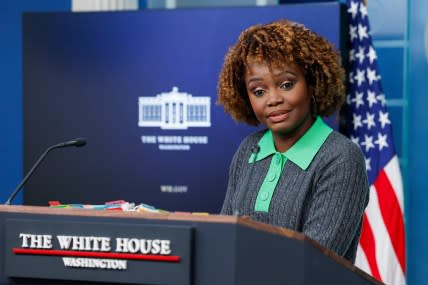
(280, 98)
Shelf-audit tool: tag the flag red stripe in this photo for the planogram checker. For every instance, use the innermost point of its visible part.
(391, 214)
(368, 244)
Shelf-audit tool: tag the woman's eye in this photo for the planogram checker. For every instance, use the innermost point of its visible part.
(287, 85)
(258, 92)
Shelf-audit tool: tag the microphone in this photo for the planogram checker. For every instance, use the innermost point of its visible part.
(79, 142)
(255, 149)
(76, 142)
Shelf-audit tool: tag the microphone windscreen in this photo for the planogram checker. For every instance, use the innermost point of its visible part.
(80, 142)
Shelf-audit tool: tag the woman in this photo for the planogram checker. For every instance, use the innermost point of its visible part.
(298, 173)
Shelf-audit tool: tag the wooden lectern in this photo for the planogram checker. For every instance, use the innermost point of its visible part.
(41, 245)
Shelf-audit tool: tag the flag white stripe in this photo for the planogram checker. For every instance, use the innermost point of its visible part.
(388, 265)
(361, 260)
(392, 170)
(380, 232)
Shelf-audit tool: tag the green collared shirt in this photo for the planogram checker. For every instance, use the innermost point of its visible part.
(301, 153)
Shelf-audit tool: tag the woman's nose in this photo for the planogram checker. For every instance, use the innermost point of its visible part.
(274, 98)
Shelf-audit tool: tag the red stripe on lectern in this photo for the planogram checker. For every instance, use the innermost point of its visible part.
(165, 258)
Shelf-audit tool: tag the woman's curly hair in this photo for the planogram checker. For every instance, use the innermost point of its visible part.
(277, 44)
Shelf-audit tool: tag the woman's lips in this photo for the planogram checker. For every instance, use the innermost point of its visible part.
(278, 116)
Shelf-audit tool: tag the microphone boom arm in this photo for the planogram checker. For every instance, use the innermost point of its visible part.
(76, 142)
(12, 196)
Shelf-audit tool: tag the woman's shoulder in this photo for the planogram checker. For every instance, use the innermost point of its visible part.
(251, 140)
(338, 146)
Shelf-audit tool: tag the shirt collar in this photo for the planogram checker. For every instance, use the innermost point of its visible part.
(303, 151)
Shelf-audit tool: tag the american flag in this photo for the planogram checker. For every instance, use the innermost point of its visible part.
(381, 251)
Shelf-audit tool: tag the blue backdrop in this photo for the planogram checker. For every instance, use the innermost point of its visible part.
(84, 74)
(11, 119)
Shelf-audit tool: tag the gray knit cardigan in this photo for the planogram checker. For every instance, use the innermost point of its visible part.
(325, 202)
